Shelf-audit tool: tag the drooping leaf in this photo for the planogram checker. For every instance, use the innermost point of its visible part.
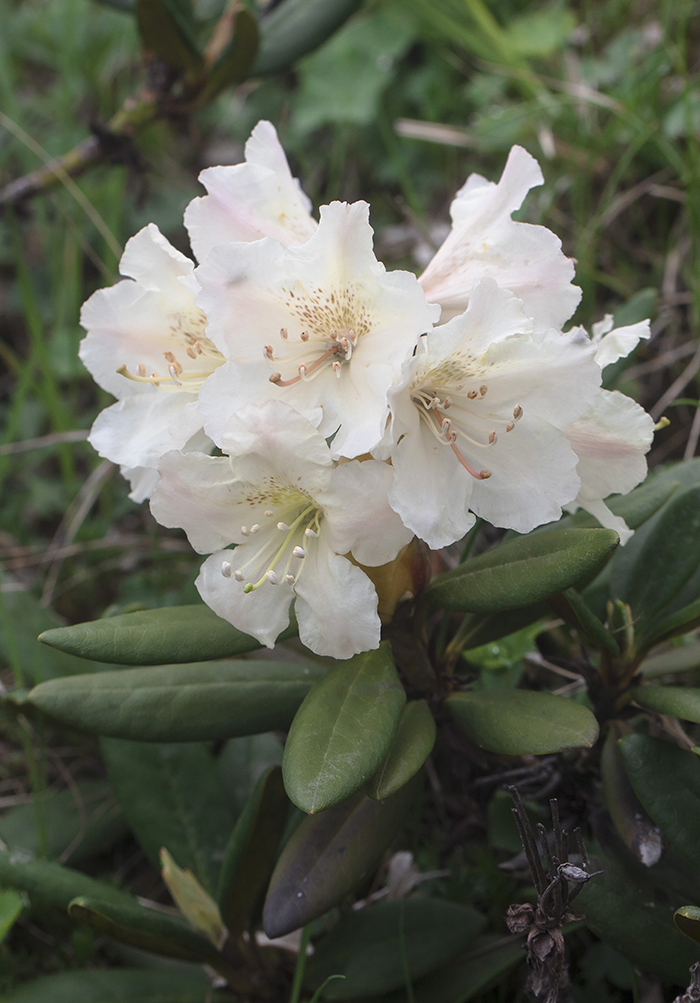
(523, 571)
(296, 27)
(666, 779)
(678, 701)
(148, 929)
(203, 701)
(49, 884)
(413, 743)
(329, 855)
(172, 634)
(520, 722)
(634, 826)
(80, 822)
(251, 852)
(172, 797)
(167, 29)
(11, 906)
(635, 918)
(343, 730)
(121, 985)
(369, 947)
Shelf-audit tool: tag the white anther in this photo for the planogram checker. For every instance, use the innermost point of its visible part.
(283, 333)
(271, 577)
(141, 369)
(283, 527)
(268, 512)
(492, 437)
(446, 426)
(310, 533)
(245, 531)
(239, 576)
(510, 426)
(154, 376)
(336, 368)
(302, 371)
(226, 569)
(254, 528)
(174, 374)
(299, 552)
(304, 335)
(290, 579)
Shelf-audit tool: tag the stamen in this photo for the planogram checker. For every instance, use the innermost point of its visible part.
(482, 389)
(447, 403)
(168, 356)
(299, 552)
(337, 366)
(283, 333)
(271, 577)
(290, 579)
(304, 335)
(276, 378)
(510, 426)
(245, 531)
(517, 412)
(226, 569)
(267, 352)
(283, 527)
(472, 395)
(238, 575)
(304, 371)
(310, 533)
(191, 352)
(492, 436)
(268, 512)
(141, 369)
(481, 476)
(255, 528)
(174, 374)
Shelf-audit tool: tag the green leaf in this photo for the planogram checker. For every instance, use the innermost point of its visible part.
(148, 929)
(235, 62)
(650, 577)
(121, 985)
(252, 850)
(413, 743)
(329, 855)
(678, 701)
(167, 29)
(343, 730)
(687, 919)
(682, 621)
(172, 634)
(491, 957)
(666, 780)
(572, 607)
(203, 701)
(242, 762)
(681, 659)
(172, 797)
(369, 947)
(195, 904)
(635, 508)
(296, 27)
(634, 826)
(523, 571)
(540, 33)
(492, 627)
(520, 722)
(51, 885)
(80, 822)
(635, 919)
(11, 906)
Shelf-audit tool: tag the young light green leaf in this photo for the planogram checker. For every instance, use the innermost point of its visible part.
(172, 634)
(343, 730)
(523, 571)
(194, 903)
(203, 701)
(329, 855)
(368, 947)
(520, 722)
(413, 743)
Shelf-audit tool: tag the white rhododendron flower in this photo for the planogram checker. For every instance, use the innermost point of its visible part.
(323, 327)
(486, 243)
(476, 422)
(259, 198)
(611, 439)
(146, 344)
(292, 515)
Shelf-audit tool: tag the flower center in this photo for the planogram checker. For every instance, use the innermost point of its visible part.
(312, 356)
(284, 538)
(468, 423)
(195, 361)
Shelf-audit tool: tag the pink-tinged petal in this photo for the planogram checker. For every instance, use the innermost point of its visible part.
(492, 315)
(618, 344)
(136, 431)
(263, 614)
(259, 198)
(358, 516)
(336, 606)
(486, 242)
(611, 441)
(155, 264)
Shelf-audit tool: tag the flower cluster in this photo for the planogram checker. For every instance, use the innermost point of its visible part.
(352, 406)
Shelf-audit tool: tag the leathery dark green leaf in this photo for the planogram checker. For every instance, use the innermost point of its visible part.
(522, 571)
(116, 985)
(148, 929)
(572, 607)
(172, 634)
(413, 743)
(172, 796)
(328, 856)
(635, 918)
(167, 29)
(678, 701)
(48, 884)
(687, 919)
(234, 64)
(633, 824)
(368, 947)
(666, 779)
(296, 27)
(343, 730)
(520, 722)
(202, 701)
(251, 852)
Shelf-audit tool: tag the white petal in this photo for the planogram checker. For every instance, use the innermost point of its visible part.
(486, 242)
(142, 480)
(259, 198)
(336, 605)
(619, 343)
(611, 441)
(607, 519)
(358, 517)
(263, 614)
(136, 431)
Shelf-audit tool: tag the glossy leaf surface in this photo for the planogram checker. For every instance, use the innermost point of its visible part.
(523, 571)
(172, 634)
(520, 722)
(343, 730)
(172, 797)
(203, 701)
(413, 743)
(329, 855)
(369, 947)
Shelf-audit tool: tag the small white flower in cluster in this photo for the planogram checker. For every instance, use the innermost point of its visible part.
(294, 351)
